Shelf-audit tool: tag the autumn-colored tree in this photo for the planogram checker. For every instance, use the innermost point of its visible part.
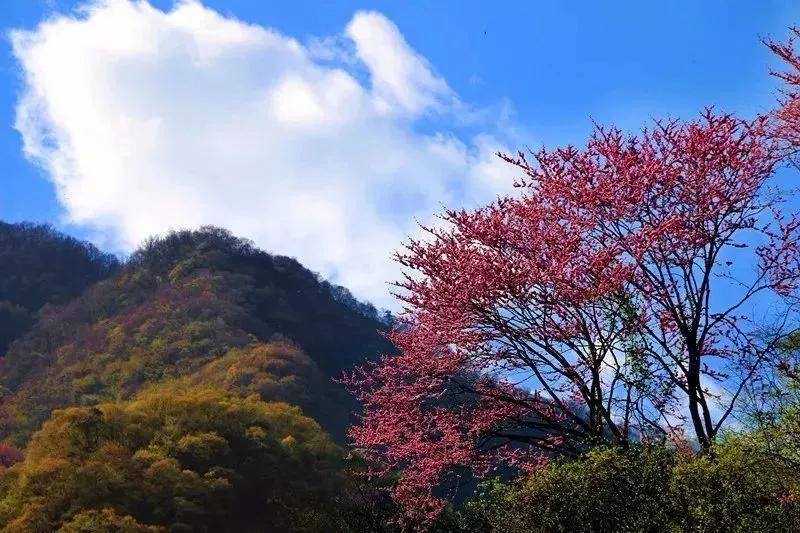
(609, 300)
(189, 460)
(9, 454)
(106, 521)
(275, 371)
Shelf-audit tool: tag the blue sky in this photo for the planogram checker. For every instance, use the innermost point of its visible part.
(489, 76)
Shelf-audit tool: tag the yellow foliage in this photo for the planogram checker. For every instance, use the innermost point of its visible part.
(172, 459)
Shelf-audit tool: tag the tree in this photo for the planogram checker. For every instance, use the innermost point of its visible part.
(773, 410)
(39, 265)
(788, 113)
(189, 460)
(586, 309)
(609, 490)
(276, 371)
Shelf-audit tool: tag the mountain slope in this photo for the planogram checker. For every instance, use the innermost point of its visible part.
(39, 266)
(199, 307)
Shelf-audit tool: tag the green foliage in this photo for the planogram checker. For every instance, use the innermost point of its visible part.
(646, 488)
(780, 439)
(106, 521)
(608, 490)
(195, 460)
(736, 489)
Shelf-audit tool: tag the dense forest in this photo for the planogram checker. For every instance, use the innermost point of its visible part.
(187, 388)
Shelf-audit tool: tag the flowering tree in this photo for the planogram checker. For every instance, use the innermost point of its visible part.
(602, 303)
(788, 113)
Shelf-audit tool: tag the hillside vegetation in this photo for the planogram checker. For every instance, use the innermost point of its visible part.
(203, 306)
(196, 461)
(189, 388)
(40, 266)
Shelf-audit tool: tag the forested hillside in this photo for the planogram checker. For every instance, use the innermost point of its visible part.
(142, 354)
(40, 266)
(201, 307)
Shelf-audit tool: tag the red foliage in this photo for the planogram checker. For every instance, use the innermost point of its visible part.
(581, 311)
(9, 454)
(788, 114)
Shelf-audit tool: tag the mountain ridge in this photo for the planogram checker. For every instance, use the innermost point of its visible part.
(201, 307)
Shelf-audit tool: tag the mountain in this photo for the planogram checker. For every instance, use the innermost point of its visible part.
(40, 266)
(188, 388)
(192, 308)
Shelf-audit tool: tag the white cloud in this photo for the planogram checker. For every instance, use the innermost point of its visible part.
(148, 120)
(401, 78)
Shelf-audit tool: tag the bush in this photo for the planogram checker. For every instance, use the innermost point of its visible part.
(608, 490)
(646, 488)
